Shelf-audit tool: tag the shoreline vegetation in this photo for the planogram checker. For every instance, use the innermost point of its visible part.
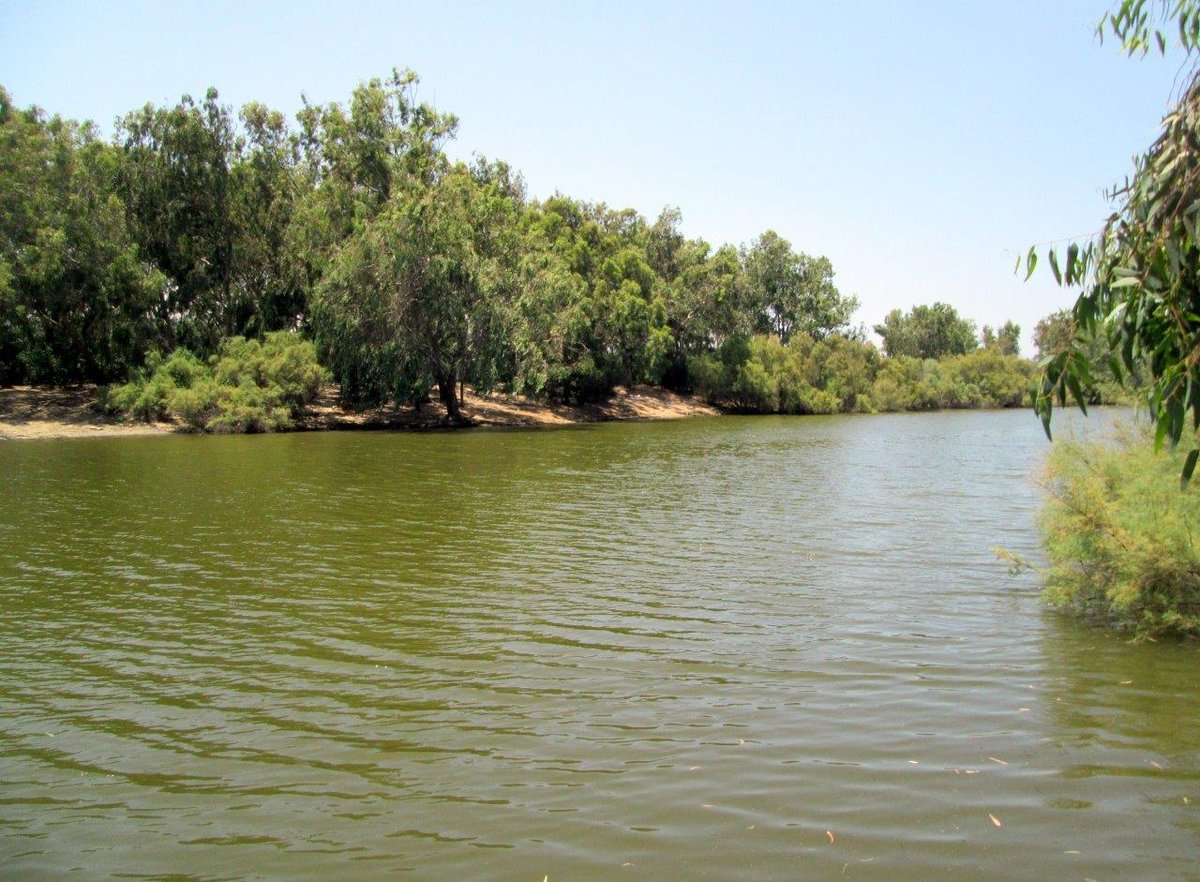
(1118, 535)
(198, 250)
(28, 413)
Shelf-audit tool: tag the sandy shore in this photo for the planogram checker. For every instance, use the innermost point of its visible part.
(27, 413)
(72, 412)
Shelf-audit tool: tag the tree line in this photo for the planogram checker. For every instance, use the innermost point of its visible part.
(413, 275)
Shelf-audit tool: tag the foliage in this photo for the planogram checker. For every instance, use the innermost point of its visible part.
(759, 375)
(1006, 340)
(196, 229)
(791, 293)
(988, 378)
(268, 287)
(1119, 536)
(414, 259)
(703, 291)
(1057, 333)
(1140, 277)
(174, 179)
(351, 157)
(842, 375)
(419, 284)
(1131, 23)
(603, 313)
(927, 332)
(983, 378)
(249, 386)
(146, 396)
(75, 289)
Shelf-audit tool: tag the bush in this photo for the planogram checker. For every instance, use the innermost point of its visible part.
(983, 378)
(761, 375)
(249, 386)
(1119, 535)
(987, 378)
(843, 375)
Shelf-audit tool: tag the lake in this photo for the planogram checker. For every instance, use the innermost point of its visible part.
(731, 648)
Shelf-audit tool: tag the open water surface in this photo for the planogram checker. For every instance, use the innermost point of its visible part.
(761, 648)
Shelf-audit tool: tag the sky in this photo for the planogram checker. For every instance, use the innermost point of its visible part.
(920, 145)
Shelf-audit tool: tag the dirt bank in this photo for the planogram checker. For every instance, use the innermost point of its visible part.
(72, 412)
(27, 412)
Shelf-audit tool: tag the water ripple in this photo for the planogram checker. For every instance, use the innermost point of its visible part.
(770, 648)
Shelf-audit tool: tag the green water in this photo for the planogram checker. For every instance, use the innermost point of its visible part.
(695, 650)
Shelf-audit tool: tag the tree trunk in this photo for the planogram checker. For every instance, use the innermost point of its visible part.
(448, 393)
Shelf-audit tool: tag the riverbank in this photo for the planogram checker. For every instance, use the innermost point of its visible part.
(30, 412)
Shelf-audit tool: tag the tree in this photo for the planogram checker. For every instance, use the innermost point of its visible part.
(350, 158)
(175, 183)
(792, 293)
(604, 312)
(411, 301)
(268, 287)
(1053, 334)
(396, 244)
(1140, 277)
(705, 299)
(927, 332)
(1006, 341)
(76, 293)
(705, 304)
(1058, 333)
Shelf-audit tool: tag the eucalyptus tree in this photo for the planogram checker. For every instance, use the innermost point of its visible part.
(792, 292)
(609, 315)
(385, 234)
(927, 332)
(268, 287)
(352, 156)
(175, 182)
(701, 287)
(1006, 339)
(413, 299)
(1140, 277)
(76, 293)
(705, 304)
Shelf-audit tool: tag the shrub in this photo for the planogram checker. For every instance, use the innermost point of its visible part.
(761, 375)
(249, 386)
(987, 378)
(983, 378)
(1118, 532)
(194, 404)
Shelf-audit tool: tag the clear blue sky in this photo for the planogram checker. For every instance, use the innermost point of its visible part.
(920, 146)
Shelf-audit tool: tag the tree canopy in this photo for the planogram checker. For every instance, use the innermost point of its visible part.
(1005, 339)
(927, 332)
(197, 232)
(76, 295)
(792, 293)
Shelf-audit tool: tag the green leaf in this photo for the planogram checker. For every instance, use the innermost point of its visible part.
(1127, 282)
(1114, 365)
(1054, 267)
(1072, 260)
(1031, 260)
(1189, 466)
(1076, 389)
